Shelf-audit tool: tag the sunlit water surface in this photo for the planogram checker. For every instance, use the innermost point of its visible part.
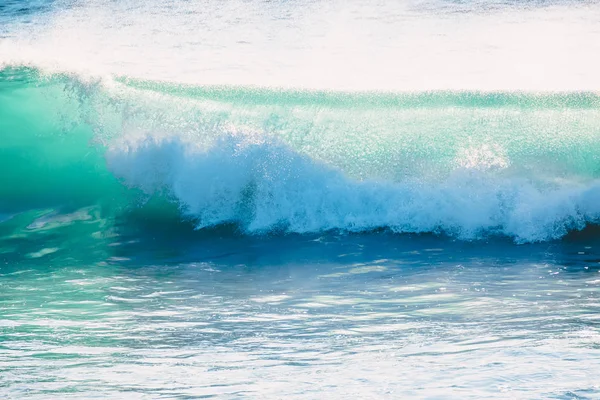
(367, 316)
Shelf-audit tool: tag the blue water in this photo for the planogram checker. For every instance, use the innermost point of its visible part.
(300, 199)
(329, 316)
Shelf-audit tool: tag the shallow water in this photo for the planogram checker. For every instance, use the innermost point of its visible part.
(303, 317)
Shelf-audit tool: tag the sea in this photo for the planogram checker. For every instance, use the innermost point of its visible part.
(299, 199)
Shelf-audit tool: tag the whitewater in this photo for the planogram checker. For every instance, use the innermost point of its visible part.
(299, 199)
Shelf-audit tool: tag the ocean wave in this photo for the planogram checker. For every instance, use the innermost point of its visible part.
(466, 164)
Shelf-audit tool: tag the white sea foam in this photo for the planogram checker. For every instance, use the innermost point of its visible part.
(357, 44)
(263, 185)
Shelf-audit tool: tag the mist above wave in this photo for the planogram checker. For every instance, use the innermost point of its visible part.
(365, 45)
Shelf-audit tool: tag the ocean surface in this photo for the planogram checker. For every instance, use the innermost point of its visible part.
(299, 199)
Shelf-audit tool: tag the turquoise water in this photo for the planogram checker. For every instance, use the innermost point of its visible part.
(299, 200)
(375, 316)
(467, 164)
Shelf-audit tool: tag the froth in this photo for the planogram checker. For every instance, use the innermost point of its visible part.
(329, 45)
(263, 185)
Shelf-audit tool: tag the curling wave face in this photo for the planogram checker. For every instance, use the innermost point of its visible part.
(466, 164)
